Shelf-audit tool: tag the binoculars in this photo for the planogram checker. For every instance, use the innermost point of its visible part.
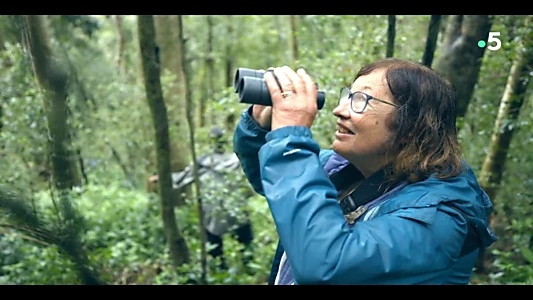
(252, 89)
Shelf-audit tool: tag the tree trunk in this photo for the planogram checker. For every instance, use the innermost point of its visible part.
(230, 67)
(52, 79)
(2, 39)
(391, 35)
(229, 58)
(121, 43)
(189, 113)
(210, 68)
(167, 40)
(295, 55)
(179, 251)
(431, 41)
(461, 57)
(504, 127)
(452, 32)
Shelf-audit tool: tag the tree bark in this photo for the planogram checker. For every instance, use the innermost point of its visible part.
(431, 41)
(189, 113)
(121, 43)
(179, 251)
(504, 128)
(229, 58)
(295, 53)
(391, 35)
(52, 79)
(510, 105)
(210, 68)
(461, 56)
(167, 34)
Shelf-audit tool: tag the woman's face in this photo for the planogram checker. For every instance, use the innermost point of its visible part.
(362, 138)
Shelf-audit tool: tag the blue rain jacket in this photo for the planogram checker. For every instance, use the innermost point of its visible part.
(414, 237)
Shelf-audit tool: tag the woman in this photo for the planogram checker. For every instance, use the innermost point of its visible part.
(392, 203)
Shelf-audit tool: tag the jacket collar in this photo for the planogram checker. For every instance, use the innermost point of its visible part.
(343, 175)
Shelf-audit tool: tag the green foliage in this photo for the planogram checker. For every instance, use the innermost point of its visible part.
(112, 127)
(23, 122)
(513, 200)
(125, 239)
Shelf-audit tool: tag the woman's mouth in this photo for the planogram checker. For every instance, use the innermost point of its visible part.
(343, 130)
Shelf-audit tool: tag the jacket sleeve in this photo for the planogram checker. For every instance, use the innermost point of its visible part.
(407, 247)
(248, 138)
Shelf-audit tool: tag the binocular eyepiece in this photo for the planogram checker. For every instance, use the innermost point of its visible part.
(252, 89)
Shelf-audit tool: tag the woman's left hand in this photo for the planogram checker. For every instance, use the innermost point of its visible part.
(296, 103)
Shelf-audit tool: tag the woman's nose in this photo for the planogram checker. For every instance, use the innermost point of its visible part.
(342, 110)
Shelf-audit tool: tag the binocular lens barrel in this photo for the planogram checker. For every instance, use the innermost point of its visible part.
(243, 72)
(252, 89)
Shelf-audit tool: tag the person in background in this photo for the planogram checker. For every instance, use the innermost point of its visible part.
(224, 197)
(392, 202)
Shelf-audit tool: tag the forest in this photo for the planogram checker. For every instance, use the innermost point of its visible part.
(99, 114)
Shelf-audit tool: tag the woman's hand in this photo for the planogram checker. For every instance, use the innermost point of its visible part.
(262, 115)
(296, 103)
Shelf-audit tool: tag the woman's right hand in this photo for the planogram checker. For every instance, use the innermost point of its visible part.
(262, 115)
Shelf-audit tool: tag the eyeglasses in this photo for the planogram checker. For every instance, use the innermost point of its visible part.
(359, 100)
